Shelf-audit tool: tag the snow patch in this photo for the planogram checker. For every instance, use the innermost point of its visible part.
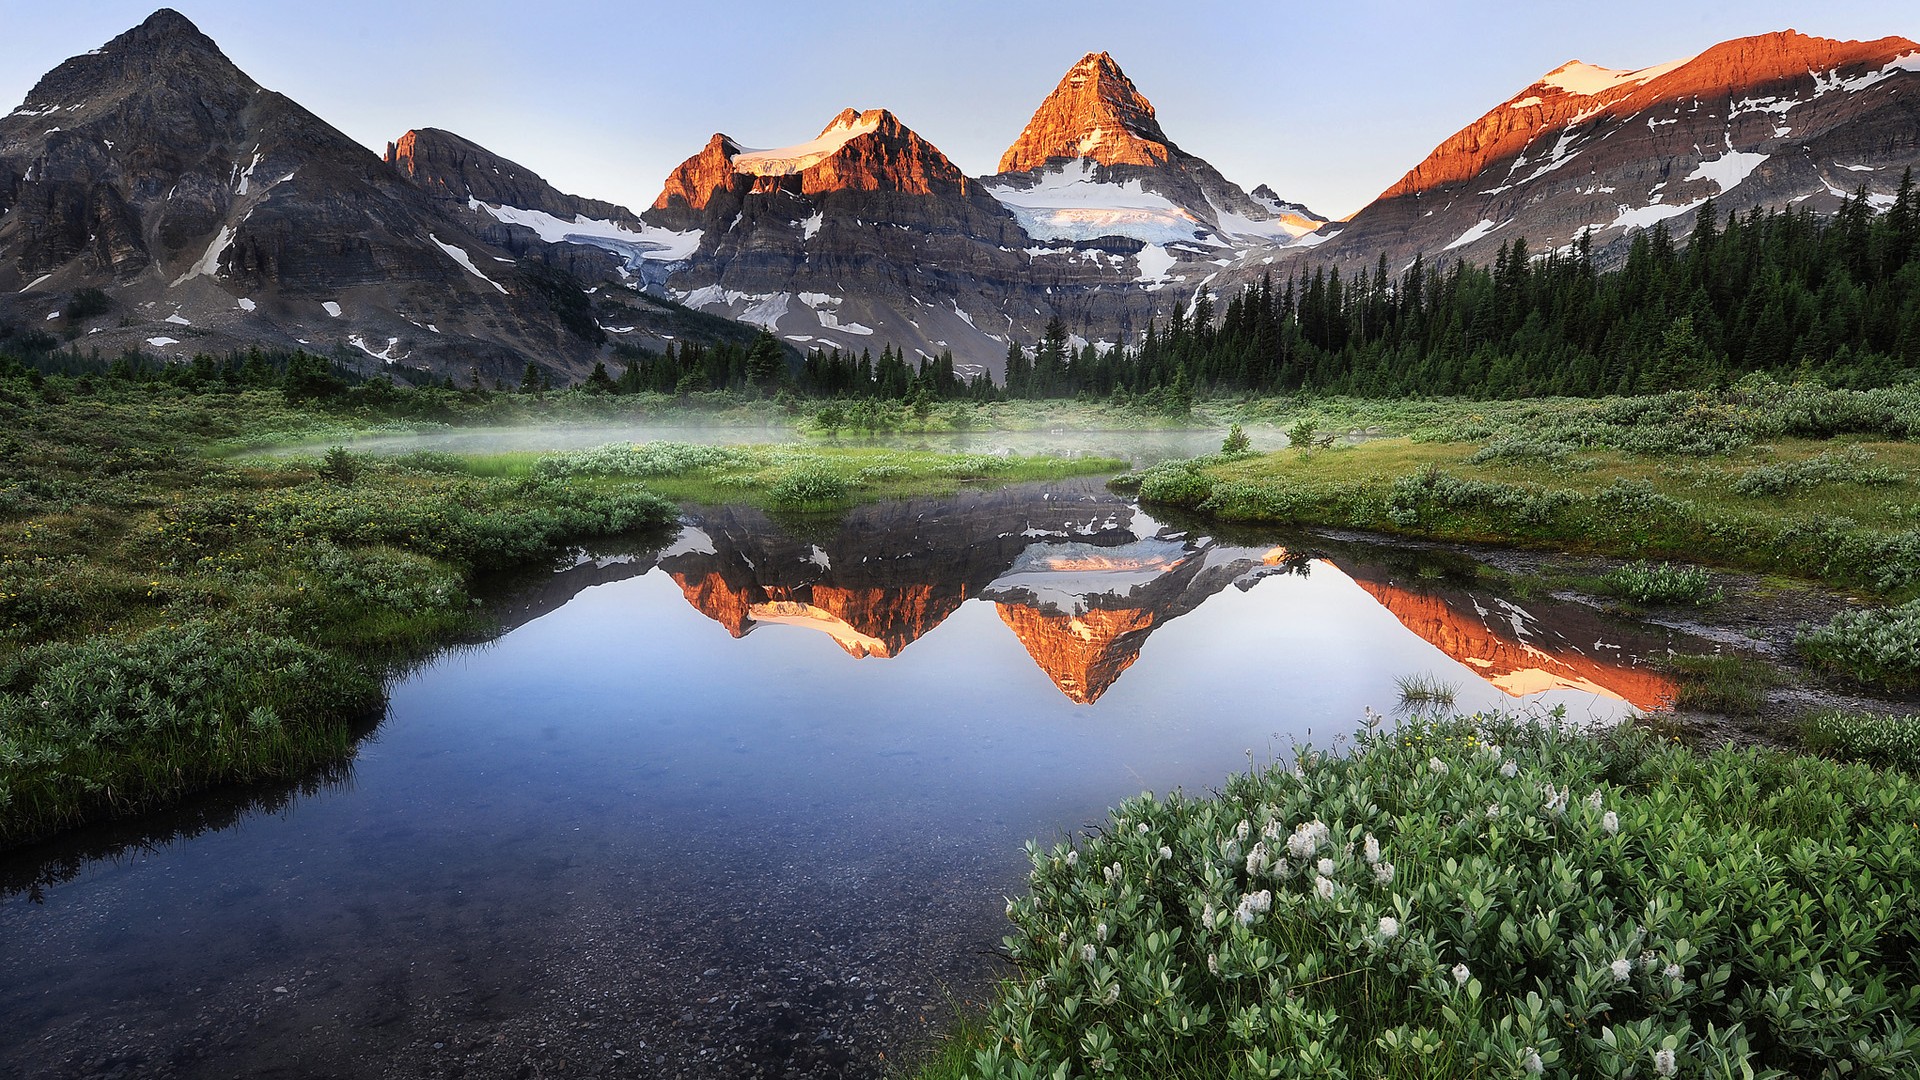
(811, 226)
(832, 322)
(1478, 232)
(1154, 262)
(1727, 170)
(162, 342)
(460, 256)
(788, 160)
(246, 304)
(1069, 203)
(209, 264)
(36, 281)
(333, 308)
(177, 319)
(1588, 80)
(650, 243)
(384, 354)
(1830, 81)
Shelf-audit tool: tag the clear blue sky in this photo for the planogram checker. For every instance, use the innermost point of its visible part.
(1328, 103)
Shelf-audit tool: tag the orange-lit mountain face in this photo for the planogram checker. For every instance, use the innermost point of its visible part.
(1517, 658)
(1084, 652)
(1095, 113)
(1775, 120)
(856, 151)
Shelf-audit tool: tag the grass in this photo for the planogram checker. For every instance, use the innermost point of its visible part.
(1477, 897)
(1723, 684)
(174, 616)
(786, 477)
(1425, 692)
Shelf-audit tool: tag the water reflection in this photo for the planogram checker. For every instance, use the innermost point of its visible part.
(1083, 579)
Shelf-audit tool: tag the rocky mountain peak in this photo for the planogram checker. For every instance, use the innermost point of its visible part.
(1095, 113)
(857, 150)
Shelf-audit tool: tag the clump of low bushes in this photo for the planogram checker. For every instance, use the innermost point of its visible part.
(1875, 646)
(1653, 584)
(1479, 897)
(1878, 740)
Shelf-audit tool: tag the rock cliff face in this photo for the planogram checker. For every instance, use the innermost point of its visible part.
(1775, 120)
(218, 215)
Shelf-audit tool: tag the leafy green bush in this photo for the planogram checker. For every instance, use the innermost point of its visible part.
(1852, 466)
(1179, 483)
(1876, 740)
(1879, 646)
(1648, 584)
(808, 485)
(391, 579)
(1236, 444)
(340, 466)
(1484, 897)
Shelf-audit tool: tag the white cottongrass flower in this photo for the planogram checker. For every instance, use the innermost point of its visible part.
(1556, 799)
(1089, 953)
(1073, 858)
(1323, 887)
(1383, 873)
(1207, 916)
(1100, 931)
(1595, 800)
(1531, 1062)
(1493, 810)
(1610, 821)
(1307, 838)
(1436, 766)
(1166, 852)
(1621, 970)
(1461, 974)
(1674, 971)
(1242, 830)
(1113, 993)
(1325, 868)
(1063, 939)
(1371, 850)
(1254, 905)
(1213, 963)
(1493, 751)
(1389, 928)
(1510, 769)
(1664, 1064)
(1258, 860)
(1143, 828)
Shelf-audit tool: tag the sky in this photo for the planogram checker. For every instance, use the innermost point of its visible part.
(1329, 104)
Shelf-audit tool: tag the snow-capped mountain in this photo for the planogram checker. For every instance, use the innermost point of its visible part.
(1776, 120)
(868, 233)
(217, 214)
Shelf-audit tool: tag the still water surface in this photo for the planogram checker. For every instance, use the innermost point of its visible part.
(747, 802)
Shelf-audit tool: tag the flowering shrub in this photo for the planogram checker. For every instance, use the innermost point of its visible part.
(1879, 740)
(1662, 583)
(1880, 646)
(1486, 897)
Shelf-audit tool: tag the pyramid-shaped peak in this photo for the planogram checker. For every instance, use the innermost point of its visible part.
(1095, 113)
(165, 28)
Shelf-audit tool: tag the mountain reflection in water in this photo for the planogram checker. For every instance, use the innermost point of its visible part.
(1083, 579)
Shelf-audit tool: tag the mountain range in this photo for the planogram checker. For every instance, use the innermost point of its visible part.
(216, 214)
